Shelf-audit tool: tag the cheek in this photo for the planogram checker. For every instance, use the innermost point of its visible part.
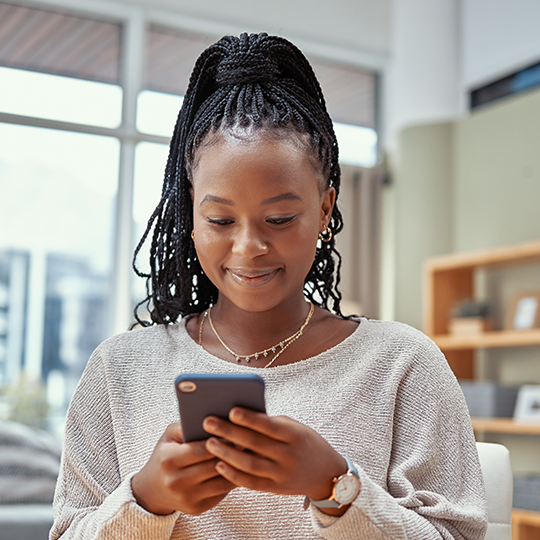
(210, 247)
(300, 246)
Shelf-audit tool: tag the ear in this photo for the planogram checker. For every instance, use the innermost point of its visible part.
(328, 199)
(191, 193)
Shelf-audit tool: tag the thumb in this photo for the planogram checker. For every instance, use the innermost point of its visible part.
(174, 433)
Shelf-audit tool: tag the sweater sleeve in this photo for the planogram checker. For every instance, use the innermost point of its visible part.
(92, 501)
(434, 483)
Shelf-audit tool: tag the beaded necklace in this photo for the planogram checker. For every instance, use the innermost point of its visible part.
(277, 349)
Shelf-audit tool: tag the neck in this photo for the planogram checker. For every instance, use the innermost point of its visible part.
(249, 331)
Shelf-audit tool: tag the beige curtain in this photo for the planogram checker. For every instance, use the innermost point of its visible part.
(359, 243)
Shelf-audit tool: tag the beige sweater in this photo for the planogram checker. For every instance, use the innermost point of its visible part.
(385, 397)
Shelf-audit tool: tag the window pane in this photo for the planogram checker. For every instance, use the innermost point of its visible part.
(56, 217)
(157, 112)
(59, 43)
(170, 57)
(150, 161)
(60, 98)
(349, 92)
(357, 145)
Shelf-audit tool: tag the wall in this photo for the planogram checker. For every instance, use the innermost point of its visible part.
(498, 37)
(497, 192)
(424, 210)
(422, 82)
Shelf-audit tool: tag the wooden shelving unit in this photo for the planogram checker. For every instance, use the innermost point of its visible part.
(449, 279)
(525, 525)
(501, 338)
(504, 425)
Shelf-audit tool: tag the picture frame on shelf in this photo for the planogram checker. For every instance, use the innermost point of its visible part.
(524, 312)
(528, 404)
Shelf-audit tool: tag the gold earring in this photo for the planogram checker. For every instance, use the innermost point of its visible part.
(193, 234)
(327, 234)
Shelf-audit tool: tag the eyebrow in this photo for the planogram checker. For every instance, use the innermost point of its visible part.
(216, 199)
(289, 196)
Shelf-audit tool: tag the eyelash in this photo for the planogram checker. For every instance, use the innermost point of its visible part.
(220, 221)
(280, 221)
(272, 221)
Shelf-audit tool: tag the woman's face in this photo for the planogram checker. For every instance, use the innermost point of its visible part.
(258, 208)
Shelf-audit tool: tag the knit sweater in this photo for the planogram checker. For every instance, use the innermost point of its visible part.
(384, 397)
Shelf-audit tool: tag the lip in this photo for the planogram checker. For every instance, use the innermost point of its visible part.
(252, 278)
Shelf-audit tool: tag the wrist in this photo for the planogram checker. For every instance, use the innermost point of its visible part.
(325, 490)
(337, 512)
(346, 488)
(139, 494)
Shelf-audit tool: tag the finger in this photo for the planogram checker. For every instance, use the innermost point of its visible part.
(242, 479)
(186, 454)
(174, 433)
(207, 504)
(215, 487)
(204, 496)
(244, 461)
(275, 427)
(201, 473)
(241, 437)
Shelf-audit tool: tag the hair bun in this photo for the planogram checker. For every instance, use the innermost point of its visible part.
(247, 67)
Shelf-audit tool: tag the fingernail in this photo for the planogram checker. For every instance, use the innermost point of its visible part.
(220, 466)
(209, 423)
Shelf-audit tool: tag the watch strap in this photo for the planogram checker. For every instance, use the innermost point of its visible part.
(331, 502)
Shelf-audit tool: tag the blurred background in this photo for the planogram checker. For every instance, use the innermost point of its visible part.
(436, 108)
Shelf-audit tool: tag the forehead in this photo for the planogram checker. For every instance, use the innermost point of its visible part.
(232, 162)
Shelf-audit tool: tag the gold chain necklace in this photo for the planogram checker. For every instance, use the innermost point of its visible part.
(277, 349)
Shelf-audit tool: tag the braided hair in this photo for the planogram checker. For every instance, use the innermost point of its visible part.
(253, 81)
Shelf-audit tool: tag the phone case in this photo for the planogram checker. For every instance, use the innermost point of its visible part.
(201, 395)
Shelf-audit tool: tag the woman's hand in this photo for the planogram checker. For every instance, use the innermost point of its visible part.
(179, 476)
(281, 455)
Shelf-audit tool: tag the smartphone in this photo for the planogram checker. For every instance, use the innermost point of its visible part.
(202, 395)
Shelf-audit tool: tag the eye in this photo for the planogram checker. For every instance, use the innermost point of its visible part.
(280, 220)
(223, 221)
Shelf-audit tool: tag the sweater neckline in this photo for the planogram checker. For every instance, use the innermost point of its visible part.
(332, 351)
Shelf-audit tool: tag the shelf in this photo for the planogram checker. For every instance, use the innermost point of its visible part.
(525, 517)
(517, 254)
(449, 279)
(501, 338)
(505, 425)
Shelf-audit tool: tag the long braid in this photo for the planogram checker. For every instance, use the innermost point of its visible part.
(253, 81)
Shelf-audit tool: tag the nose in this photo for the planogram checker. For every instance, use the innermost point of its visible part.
(249, 242)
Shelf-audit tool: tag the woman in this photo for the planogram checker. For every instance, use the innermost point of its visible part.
(366, 425)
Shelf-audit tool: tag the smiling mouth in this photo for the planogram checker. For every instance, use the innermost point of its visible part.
(252, 278)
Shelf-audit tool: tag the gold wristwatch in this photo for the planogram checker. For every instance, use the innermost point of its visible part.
(346, 489)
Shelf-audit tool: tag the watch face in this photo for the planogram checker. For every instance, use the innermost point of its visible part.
(347, 489)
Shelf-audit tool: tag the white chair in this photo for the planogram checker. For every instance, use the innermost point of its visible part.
(497, 473)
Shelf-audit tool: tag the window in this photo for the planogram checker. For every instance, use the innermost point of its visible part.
(74, 151)
(58, 202)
